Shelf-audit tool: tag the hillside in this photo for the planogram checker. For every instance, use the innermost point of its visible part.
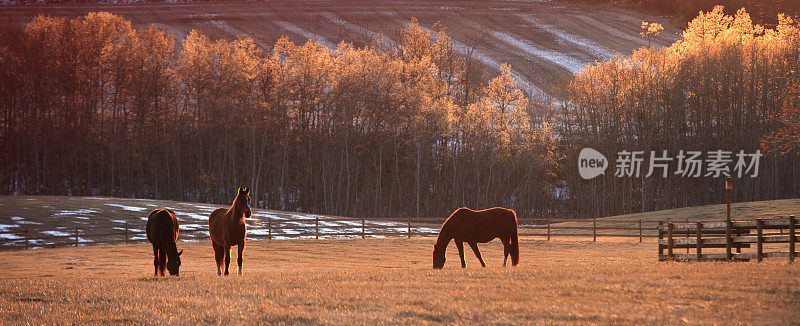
(541, 40)
(59, 216)
(739, 211)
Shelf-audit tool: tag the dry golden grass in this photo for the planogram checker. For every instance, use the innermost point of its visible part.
(391, 281)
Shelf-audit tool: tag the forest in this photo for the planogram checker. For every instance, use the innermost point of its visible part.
(94, 106)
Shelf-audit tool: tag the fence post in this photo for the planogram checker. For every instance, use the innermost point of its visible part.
(670, 241)
(548, 229)
(687, 235)
(640, 230)
(728, 239)
(594, 229)
(409, 227)
(760, 239)
(363, 229)
(76, 236)
(792, 220)
(317, 227)
(699, 241)
(660, 237)
(269, 228)
(26, 241)
(126, 232)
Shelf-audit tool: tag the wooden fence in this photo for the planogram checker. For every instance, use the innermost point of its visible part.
(729, 235)
(318, 228)
(591, 228)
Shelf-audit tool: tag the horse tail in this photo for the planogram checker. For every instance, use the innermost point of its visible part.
(515, 243)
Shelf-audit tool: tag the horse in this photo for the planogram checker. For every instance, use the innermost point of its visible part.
(472, 227)
(162, 232)
(227, 229)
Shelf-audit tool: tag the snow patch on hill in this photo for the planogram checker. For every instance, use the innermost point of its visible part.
(599, 51)
(306, 34)
(572, 64)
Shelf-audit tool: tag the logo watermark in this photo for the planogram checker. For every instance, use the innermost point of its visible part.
(591, 163)
(687, 164)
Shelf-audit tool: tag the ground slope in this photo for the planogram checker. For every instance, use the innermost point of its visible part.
(739, 211)
(57, 217)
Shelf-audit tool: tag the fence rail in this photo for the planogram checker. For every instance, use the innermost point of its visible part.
(318, 228)
(729, 235)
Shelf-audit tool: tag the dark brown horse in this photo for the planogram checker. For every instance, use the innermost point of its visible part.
(228, 229)
(162, 232)
(473, 227)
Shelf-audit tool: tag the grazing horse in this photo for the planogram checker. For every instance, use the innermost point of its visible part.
(472, 227)
(162, 232)
(228, 229)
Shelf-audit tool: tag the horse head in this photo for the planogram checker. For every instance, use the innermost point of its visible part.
(243, 200)
(438, 256)
(174, 264)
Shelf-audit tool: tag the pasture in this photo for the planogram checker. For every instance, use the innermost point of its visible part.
(357, 281)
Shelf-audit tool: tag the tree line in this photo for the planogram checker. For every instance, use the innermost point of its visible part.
(93, 106)
(727, 85)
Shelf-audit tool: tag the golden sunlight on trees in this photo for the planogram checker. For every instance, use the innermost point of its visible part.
(719, 88)
(650, 30)
(94, 106)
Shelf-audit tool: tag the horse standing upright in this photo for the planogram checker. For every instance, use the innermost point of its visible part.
(227, 228)
(162, 232)
(472, 227)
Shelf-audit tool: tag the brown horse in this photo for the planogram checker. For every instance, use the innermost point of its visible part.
(162, 232)
(228, 229)
(472, 227)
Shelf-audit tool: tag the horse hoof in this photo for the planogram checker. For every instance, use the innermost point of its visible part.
(240, 272)
(219, 273)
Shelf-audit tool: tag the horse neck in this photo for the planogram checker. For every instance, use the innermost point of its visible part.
(172, 250)
(445, 235)
(235, 213)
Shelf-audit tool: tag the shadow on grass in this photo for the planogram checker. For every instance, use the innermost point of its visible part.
(290, 320)
(437, 317)
(155, 278)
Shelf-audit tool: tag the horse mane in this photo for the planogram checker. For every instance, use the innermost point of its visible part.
(235, 210)
(445, 233)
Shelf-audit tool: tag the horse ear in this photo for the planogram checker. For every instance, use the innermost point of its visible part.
(180, 252)
(239, 190)
(246, 190)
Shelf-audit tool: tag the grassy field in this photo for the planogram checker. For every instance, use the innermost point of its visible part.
(354, 281)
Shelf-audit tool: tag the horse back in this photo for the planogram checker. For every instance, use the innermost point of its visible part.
(483, 225)
(162, 226)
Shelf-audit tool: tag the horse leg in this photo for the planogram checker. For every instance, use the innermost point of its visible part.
(474, 246)
(227, 258)
(162, 260)
(241, 248)
(506, 251)
(155, 259)
(460, 246)
(218, 256)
